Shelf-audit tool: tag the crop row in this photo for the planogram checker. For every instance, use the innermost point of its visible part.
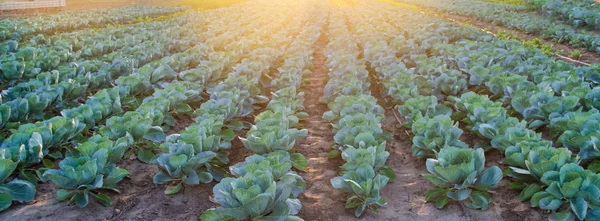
(536, 167)
(356, 118)
(57, 52)
(210, 136)
(509, 17)
(58, 89)
(32, 142)
(174, 99)
(579, 13)
(267, 175)
(29, 101)
(19, 28)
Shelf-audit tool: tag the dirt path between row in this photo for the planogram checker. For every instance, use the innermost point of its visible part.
(320, 201)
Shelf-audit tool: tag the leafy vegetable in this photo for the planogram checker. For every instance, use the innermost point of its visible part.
(433, 134)
(15, 189)
(88, 168)
(418, 107)
(573, 185)
(254, 196)
(364, 187)
(459, 175)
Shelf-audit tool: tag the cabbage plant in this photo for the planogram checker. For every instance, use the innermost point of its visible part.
(12, 189)
(579, 189)
(539, 108)
(450, 84)
(530, 160)
(374, 156)
(195, 156)
(508, 133)
(576, 128)
(255, 196)
(460, 176)
(88, 168)
(278, 163)
(271, 134)
(423, 106)
(32, 142)
(349, 105)
(353, 129)
(182, 165)
(364, 188)
(433, 134)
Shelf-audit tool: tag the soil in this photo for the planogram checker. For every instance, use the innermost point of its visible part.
(320, 201)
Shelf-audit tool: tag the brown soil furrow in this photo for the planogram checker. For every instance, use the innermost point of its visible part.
(320, 201)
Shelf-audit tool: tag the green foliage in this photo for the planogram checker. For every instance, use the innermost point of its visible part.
(425, 106)
(548, 50)
(578, 131)
(575, 54)
(279, 164)
(88, 168)
(530, 161)
(537, 108)
(32, 142)
(433, 134)
(15, 189)
(272, 132)
(535, 4)
(190, 160)
(592, 99)
(182, 165)
(449, 84)
(98, 107)
(364, 187)
(460, 176)
(571, 185)
(374, 156)
(582, 13)
(256, 196)
(511, 132)
(348, 105)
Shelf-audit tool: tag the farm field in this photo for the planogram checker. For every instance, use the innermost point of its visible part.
(302, 110)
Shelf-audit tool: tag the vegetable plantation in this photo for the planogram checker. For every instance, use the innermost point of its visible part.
(303, 110)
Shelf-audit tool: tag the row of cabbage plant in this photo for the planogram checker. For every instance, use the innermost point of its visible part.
(56, 90)
(356, 119)
(32, 142)
(515, 18)
(550, 177)
(26, 61)
(579, 13)
(458, 171)
(272, 139)
(198, 154)
(29, 101)
(20, 28)
(547, 94)
(156, 113)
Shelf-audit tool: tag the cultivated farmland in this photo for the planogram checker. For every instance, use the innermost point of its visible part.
(302, 110)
